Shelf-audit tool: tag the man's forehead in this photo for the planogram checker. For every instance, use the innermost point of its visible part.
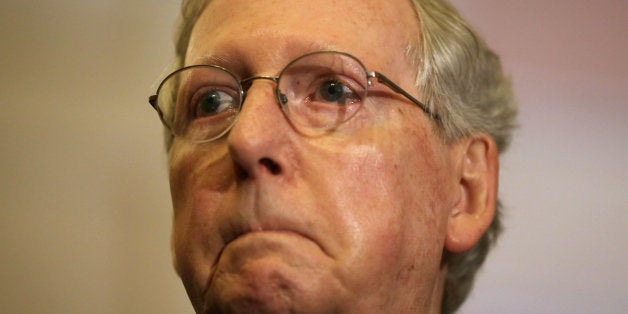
(358, 14)
(368, 9)
(358, 27)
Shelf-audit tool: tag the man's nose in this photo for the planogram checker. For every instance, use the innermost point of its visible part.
(259, 140)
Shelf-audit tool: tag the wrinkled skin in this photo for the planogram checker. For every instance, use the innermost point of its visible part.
(354, 221)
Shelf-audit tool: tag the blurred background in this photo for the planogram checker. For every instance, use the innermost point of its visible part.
(84, 200)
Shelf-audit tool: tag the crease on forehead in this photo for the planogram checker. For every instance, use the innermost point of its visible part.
(242, 65)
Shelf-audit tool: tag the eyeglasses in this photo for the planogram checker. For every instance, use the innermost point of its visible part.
(316, 92)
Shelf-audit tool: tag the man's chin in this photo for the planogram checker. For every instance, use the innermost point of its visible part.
(267, 272)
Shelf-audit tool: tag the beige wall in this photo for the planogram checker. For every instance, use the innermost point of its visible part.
(84, 205)
(564, 181)
(85, 214)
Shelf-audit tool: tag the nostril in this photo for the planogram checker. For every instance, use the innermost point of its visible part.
(271, 165)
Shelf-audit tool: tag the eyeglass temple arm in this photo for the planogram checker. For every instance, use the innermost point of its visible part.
(152, 100)
(386, 81)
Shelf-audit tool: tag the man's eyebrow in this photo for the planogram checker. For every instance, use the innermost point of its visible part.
(231, 62)
(224, 61)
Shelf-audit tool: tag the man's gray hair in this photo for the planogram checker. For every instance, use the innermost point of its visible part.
(461, 79)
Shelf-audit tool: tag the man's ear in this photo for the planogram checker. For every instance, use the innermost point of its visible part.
(478, 173)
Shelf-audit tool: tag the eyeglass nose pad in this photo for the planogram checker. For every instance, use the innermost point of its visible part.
(283, 99)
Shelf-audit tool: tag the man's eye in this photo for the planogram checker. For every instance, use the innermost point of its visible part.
(333, 91)
(213, 102)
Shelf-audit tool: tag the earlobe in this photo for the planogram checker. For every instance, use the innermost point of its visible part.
(473, 214)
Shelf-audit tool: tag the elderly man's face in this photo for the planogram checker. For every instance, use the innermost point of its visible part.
(271, 219)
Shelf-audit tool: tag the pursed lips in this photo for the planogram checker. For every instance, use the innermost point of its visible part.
(269, 233)
(277, 226)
